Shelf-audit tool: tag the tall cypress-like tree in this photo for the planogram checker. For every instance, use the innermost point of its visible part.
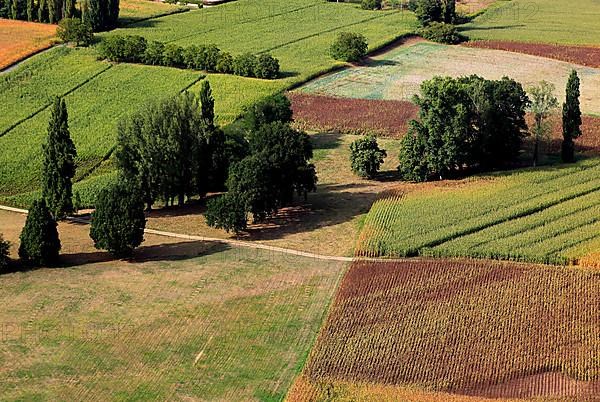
(59, 163)
(40, 244)
(571, 118)
(31, 14)
(449, 11)
(14, 9)
(43, 11)
(208, 104)
(69, 9)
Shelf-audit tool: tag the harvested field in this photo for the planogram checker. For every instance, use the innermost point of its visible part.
(354, 116)
(582, 55)
(398, 74)
(20, 39)
(484, 329)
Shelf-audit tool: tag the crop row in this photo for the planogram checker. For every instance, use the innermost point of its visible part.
(521, 209)
(459, 325)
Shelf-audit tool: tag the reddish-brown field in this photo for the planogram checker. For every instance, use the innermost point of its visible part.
(583, 55)
(476, 328)
(587, 144)
(19, 39)
(353, 116)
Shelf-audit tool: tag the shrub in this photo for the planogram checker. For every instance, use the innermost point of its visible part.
(370, 4)
(244, 65)
(40, 244)
(134, 48)
(118, 222)
(173, 55)
(112, 48)
(441, 33)
(210, 55)
(266, 66)
(349, 47)
(4, 249)
(366, 157)
(225, 63)
(228, 213)
(268, 110)
(154, 53)
(75, 31)
(428, 11)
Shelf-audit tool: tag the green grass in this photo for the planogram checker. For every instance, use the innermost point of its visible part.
(545, 21)
(227, 325)
(131, 11)
(547, 215)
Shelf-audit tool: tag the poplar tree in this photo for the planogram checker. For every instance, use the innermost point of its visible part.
(571, 118)
(59, 163)
(43, 11)
(208, 104)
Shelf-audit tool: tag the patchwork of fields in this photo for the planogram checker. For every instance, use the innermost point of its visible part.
(486, 329)
(398, 74)
(549, 215)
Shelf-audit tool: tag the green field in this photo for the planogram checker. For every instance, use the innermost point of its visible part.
(546, 215)
(544, 21)
(98, 95)
(192, 322)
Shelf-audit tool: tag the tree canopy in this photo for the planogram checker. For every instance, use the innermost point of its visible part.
(366, 157)
(571, 118)
(40, 244)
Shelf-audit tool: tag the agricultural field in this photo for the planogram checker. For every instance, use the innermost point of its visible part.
(538, 21)
(545, 215)
(480, 329)
(184, 320)
(398, 74)
(131, 11)
(20, 39)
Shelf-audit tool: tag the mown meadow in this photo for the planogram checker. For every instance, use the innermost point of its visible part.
(545, 215)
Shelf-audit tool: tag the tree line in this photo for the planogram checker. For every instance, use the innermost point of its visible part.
(99, 15)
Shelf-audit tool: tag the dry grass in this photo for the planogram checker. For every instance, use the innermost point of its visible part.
(20, 39)
(484, 329)
(183, 321)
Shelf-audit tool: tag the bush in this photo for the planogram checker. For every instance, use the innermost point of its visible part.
(266, 66)
(366, 157)
(268, 110)
(40, 244)
(244, 65)
(428, 11)
(74, 31)
(4, 249)
(173, 56)
(349, 47)
(225, 63)
(154, 53)
(118, 222)
(441, 33)
(370, 4)
(228, 213)
(130, 49)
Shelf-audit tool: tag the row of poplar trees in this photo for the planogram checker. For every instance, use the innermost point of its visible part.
(101, 15)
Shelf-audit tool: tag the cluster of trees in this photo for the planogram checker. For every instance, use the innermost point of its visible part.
(275, 169)
(135, 49)
(49, 11)
(75, 31)
(371, 4)
(349, 47)
(437, 18)
(99, 15)
(366, 157)
(471, 122)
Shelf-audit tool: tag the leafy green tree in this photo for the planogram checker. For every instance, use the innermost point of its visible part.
(118, 222)
(31, 11)
(266, 67)
(571, 121)
(228, 213)
(543, 102)
(14, 9)
(349, 47)
(449, 9)
(154, 53)
(207, 103)
(101, 15)
(59, 162)
(428, 11)
(4, 253)
(69, 9)
(40, 244)
(441, 33)
(366, 157)
(75, 31)
(244, 65)
(268, 110)
(43, 11)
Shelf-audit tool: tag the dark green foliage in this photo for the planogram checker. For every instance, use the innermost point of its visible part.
(4, 249)
(40, 244)
(266, 67)
(53, 12)
(227, 213)
(59, 163)
(244, 65)
(207, 103)
(429, 11)
(173, 55)
(131, 49)
(464, 123)
(31, 11)
(571, 118)
(118, 222)
(349, 47)
(370, 4)
(268, 110)
(154, 53)
(101, 15)
(225, 63)
(366, 157)
(441, 33)
(75, 31)
(69, 9)
(43, 11)
(170, 150)
(449, 7)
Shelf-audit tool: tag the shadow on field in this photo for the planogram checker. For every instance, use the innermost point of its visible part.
(490, 28)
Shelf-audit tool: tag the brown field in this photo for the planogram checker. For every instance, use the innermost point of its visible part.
(20, 39)
(582, 55)
(471, 328)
